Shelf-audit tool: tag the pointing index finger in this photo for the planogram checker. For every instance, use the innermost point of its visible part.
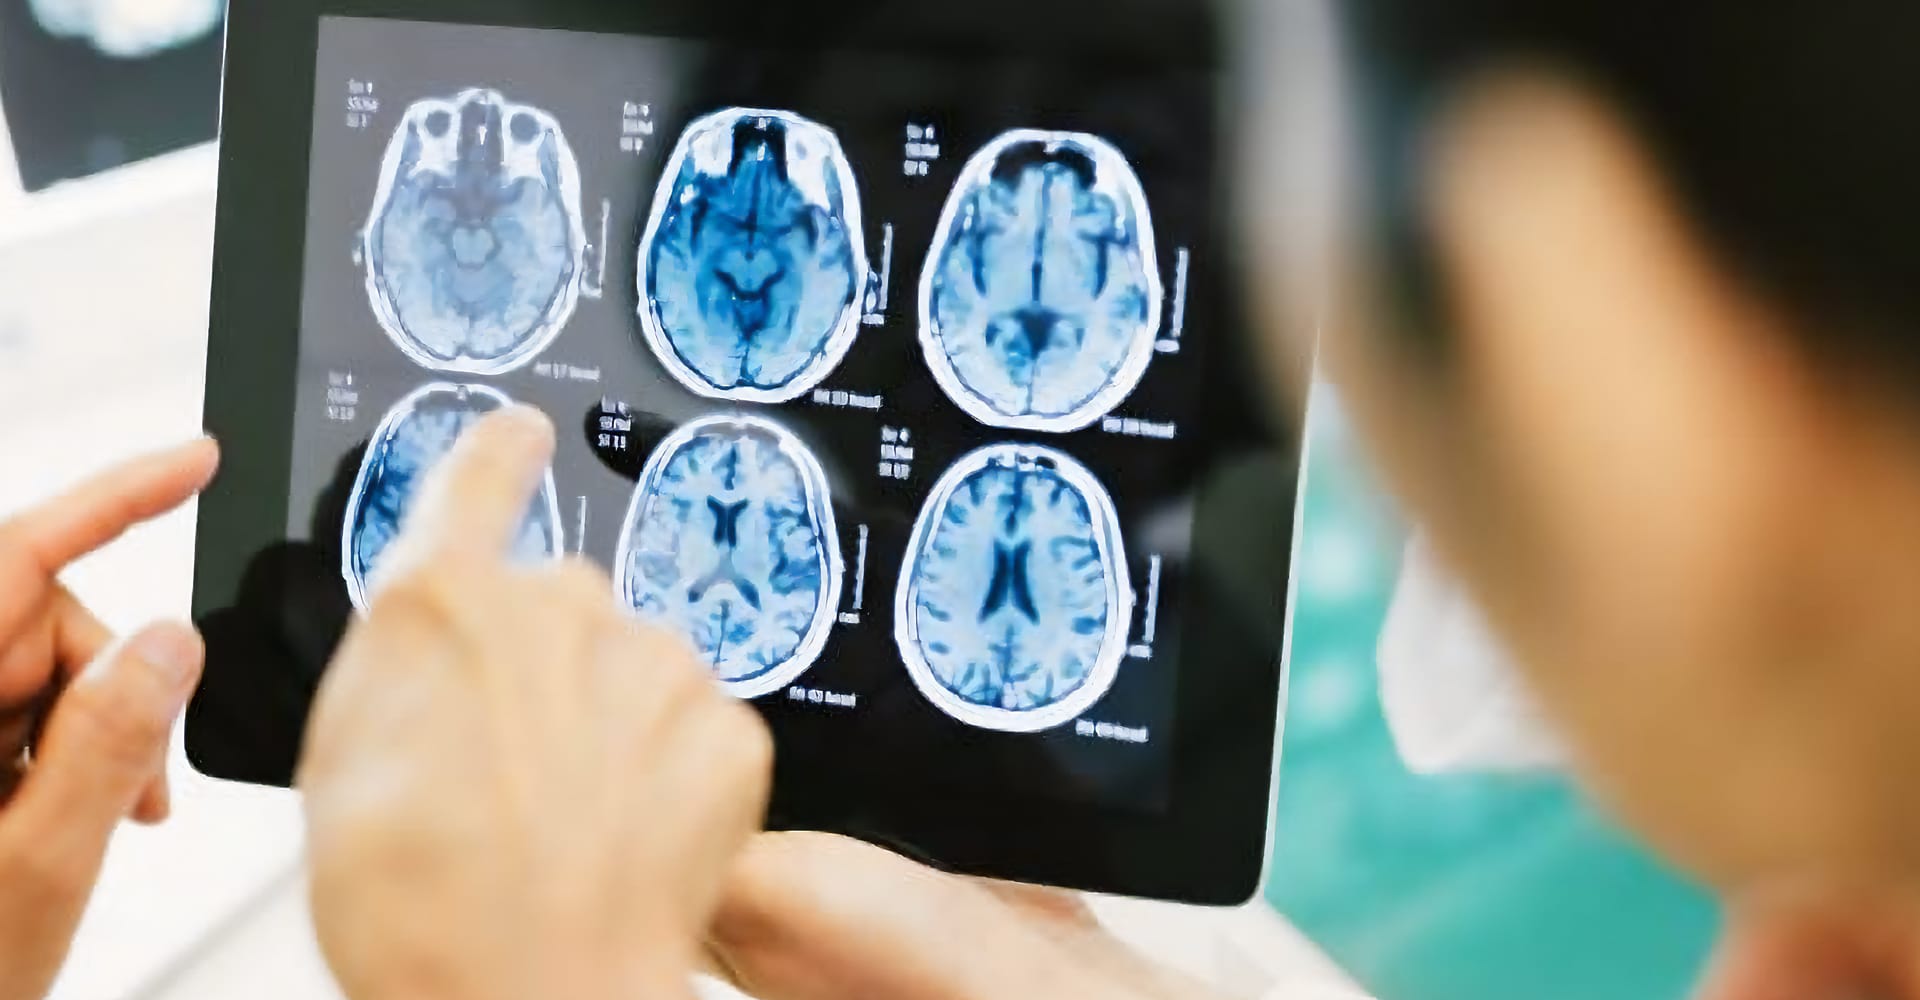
(104, 507)
(474, 499)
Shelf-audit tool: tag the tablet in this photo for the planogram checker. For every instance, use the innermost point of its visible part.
(899, 366)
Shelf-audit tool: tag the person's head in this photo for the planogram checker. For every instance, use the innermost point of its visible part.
(1627, 310)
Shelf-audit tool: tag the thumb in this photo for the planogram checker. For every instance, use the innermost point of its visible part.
(104, 740)
(107, 734)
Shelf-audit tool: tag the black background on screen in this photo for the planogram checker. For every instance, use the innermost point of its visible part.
(272, 606)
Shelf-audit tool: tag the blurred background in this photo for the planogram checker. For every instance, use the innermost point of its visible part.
(90, 85)
(1475, 873)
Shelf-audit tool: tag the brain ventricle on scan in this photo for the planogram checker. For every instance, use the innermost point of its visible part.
(730, 540)
(474, 247)
(413, 436)
(1041, 298)
(753, 265)
(1014, 601)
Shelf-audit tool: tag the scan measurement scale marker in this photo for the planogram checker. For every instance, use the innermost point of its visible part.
(598, 286)
(859, 583)
(1144, 649)
(885, 294)
(1171, 344)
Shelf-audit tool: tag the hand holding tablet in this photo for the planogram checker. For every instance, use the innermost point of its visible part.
(898, 370)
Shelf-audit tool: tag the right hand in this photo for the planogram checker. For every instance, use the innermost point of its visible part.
(512, 789)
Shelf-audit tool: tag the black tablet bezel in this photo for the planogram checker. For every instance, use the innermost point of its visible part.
(1210, 844)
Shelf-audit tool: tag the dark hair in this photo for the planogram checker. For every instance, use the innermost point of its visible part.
(1789, 130)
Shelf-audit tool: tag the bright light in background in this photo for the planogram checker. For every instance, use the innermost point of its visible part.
(1337, 563)
(1328, 696)
(129, 29)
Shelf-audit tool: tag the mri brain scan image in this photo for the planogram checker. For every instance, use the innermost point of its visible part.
(1042, 297)
(474, 247)
(730, 540)
(753, 267)
(413, 436)
(1014, 602)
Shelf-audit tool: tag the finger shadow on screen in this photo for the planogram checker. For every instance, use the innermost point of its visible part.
(266, 654)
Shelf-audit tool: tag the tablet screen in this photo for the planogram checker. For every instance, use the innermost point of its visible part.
(878, 375)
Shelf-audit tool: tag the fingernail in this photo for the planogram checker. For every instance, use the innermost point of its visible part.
(530, 418)
(530, 425)
(206, 448)
(173, 650)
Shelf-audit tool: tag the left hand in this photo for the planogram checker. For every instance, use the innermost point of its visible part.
(95, 716)
(46, 635)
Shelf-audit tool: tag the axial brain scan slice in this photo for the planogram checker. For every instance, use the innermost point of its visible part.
(1042, 297)
(413, 436)
(753, 267)
(474, 248)
(730, 540)
(1014, 602)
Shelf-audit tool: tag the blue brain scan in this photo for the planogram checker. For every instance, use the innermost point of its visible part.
(1014, 602)
(1041, 298)
(730, 541)
(411, 438)
(475, 245)
(753, 267)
